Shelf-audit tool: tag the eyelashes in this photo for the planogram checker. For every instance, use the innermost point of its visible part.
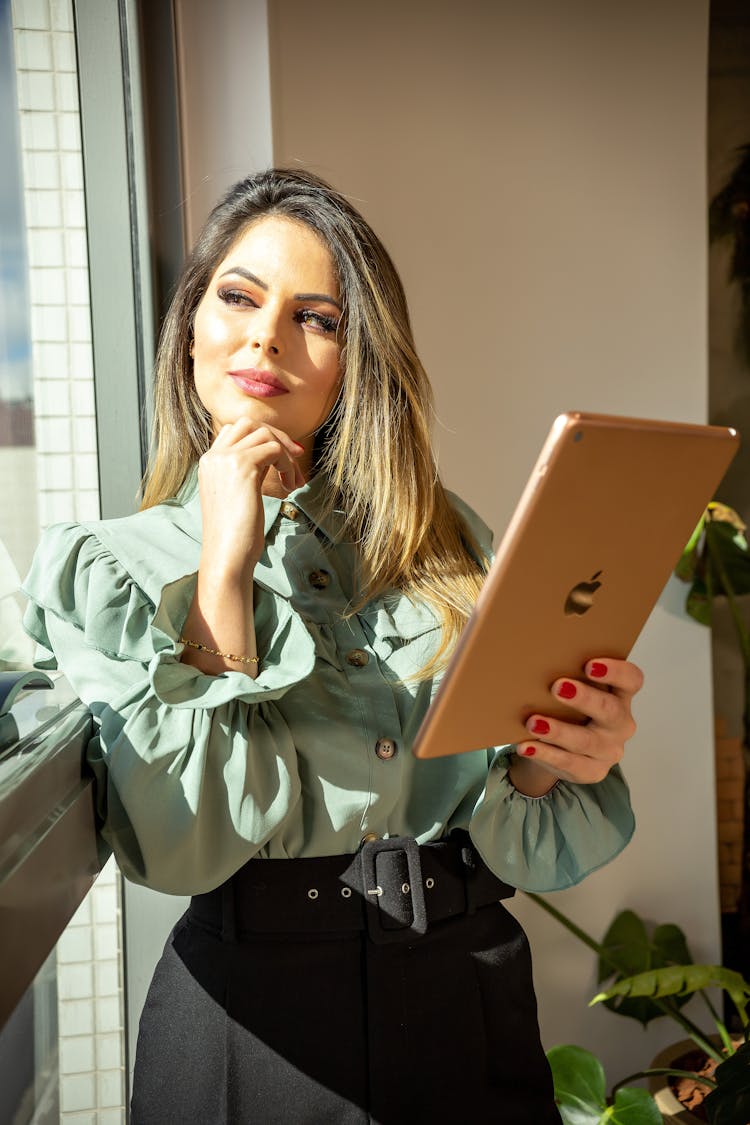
(320, 321)
(309, 316)
(234, 297)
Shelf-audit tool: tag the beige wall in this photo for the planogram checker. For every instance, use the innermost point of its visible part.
(537, 171)
(224, 99)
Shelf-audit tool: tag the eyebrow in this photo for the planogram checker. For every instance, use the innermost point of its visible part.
(242, 272)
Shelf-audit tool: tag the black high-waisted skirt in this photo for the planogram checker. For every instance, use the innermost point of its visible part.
(246, 1025)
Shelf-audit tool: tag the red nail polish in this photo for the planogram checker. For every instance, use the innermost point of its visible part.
(540, 726)
(598, 670)
(567, 690)
(529, 751)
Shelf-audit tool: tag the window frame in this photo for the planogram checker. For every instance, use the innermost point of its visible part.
(50, 854)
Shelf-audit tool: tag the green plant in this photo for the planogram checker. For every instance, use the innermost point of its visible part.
(581, 1092)
(716, 563)
(649, 977)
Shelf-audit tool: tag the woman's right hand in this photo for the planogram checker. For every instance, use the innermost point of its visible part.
(230, 477)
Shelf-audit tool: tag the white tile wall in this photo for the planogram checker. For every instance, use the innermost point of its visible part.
(108, 1117)
(52, 397)
(77, 1054)
(31, 14)
(65, 52)
(44, 47)
(68, 131)
(77, 1091)
(50, 361)
(79, 321)
(46, 248)
(90, 996)
(81, 363)
(90, 1008)
(75, 1017)
(33, 50)
(61, 15)
(84, 431)
(87, 506)
(35, 91)
(48, 323)
(54, 435)
(43, 210)
(39, 131)
(82, 392)
(86, 471)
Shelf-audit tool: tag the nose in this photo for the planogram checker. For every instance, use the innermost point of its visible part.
(266, 335)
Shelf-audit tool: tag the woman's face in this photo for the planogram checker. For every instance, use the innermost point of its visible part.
(265, 345)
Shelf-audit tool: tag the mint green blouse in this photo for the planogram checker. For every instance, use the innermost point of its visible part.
(197, 774)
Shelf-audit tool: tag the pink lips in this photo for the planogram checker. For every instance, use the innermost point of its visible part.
(260, 384)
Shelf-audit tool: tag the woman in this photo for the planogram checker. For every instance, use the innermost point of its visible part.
(260, 644)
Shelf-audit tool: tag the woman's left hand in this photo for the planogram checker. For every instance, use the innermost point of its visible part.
(580, 753)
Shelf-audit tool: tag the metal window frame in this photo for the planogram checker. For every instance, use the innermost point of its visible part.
(117, 232)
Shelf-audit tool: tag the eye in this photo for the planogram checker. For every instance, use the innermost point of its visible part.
(317, 320)
(236, 297)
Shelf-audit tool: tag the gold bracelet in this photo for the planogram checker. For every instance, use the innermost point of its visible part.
(223, 655)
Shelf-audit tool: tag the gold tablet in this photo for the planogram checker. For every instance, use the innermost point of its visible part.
(608, 508)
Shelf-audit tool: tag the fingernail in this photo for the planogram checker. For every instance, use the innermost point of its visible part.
(299, 444)
(598, 670)
(529, 751)
(540, 726)
(567, 690)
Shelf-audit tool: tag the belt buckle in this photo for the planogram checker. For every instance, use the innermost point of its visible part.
(372, 891)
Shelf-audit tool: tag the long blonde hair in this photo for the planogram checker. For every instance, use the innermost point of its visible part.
(374, 451)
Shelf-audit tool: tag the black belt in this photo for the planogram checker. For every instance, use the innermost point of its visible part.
(392, 888)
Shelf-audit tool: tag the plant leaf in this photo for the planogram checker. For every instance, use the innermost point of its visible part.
(716, 556)
(580, 1086)
(698, 603)
(634, 1107)
(688, 560)
(729, 1103)
(731, 547)
(626, 946)
(671, 945)
(722, 513)
(682, 980)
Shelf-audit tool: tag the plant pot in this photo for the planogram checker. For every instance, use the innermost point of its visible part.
(669, 1107)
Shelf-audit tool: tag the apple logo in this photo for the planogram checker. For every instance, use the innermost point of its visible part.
(580, 598)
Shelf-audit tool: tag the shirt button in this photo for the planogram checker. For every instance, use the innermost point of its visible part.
(385, 748)
(368, 838)
(358, 657)
(319, 579)
(289, 510)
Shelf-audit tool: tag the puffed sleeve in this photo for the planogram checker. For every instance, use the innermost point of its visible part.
(551, 842)
(195, 773)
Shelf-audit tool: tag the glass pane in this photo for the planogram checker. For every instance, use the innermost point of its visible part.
(29, 1088)
(48, 464)
(62, 1053)
(18, 506)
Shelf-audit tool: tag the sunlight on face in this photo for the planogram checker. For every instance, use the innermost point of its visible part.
(266, 344)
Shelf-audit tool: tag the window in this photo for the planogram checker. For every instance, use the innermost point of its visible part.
(62, 1054)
